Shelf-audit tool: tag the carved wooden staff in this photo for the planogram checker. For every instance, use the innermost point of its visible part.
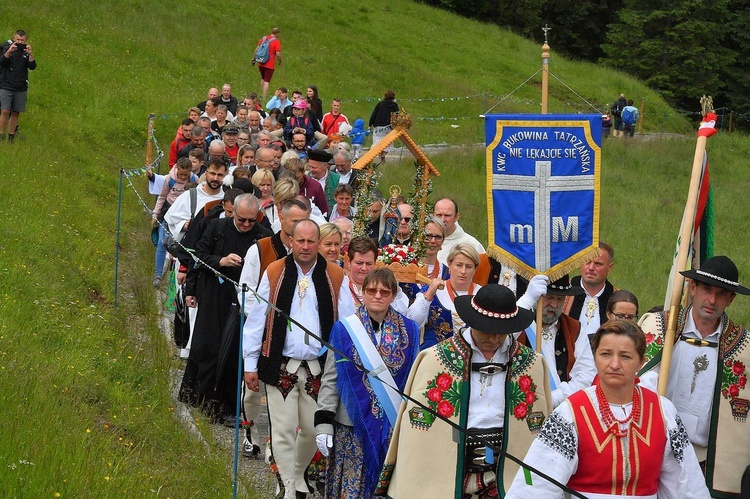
(685, 242)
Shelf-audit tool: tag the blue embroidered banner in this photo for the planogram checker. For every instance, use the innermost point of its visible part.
(543, 190)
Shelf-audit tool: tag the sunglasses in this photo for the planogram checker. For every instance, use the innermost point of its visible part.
(385, 293)
(241, 220)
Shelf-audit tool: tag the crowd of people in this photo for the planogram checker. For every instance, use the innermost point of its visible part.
(417, 390)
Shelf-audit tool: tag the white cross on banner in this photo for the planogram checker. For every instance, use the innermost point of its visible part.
(543, 191)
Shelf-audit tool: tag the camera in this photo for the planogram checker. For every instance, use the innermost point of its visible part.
(21, 46)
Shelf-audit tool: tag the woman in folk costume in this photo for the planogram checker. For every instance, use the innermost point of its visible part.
(434, 308)
(485, 382)
(356, 412)
(614, 438)
(362, 253)
(434, 235)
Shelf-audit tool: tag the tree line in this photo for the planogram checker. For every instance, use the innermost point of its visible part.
(682, 49)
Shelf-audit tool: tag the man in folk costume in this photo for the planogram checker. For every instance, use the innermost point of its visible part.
(285, 357)
(590, 308)
(566, 350)
(708, 373)
(356, 413)
(481, 379)
(256, 261)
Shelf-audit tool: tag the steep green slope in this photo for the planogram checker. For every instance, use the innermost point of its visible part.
(84, 390)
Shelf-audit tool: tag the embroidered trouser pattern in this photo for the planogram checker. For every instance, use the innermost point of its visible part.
(480, 485)
(290, 407)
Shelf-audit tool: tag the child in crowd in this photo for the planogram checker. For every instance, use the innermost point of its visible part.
(344, 195)
(358, 135)
(174, 185)
(197, 161)
(241, 119)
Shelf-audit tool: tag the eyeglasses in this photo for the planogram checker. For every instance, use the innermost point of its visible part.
(436, 237)
(241, 220)
(385, 293)
(406, 219)
(628, 317)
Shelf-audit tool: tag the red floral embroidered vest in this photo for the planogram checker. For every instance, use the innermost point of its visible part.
(618, 466)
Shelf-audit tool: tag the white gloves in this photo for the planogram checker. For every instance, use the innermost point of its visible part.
(325, 442)
(536, 289)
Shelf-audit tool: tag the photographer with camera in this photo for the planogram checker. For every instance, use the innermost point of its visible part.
(15, 62)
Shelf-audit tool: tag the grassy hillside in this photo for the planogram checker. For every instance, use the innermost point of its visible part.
(85, 405)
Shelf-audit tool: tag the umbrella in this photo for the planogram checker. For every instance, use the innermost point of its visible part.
(228, 361)
(181, 319)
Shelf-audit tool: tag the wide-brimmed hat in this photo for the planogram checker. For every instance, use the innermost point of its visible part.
(563, 287)
(319, 155)
(718, 271)
(493, 310)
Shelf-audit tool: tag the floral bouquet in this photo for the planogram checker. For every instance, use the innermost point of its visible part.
(403, 262)
(397, 253)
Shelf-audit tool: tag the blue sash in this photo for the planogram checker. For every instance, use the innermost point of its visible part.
(379, 376)
(370, 416)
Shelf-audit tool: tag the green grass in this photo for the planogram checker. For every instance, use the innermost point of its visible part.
(85, 403)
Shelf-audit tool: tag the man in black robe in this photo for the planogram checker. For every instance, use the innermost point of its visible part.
(221, 248)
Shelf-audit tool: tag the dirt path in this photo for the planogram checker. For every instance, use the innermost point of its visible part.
(257, 471)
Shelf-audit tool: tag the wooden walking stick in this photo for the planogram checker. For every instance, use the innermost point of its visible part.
(684, 250)
(149, 142)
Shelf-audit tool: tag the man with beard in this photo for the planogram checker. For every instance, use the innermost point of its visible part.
(221, 248)
(179, 215)
(566, 350)
(311, 291)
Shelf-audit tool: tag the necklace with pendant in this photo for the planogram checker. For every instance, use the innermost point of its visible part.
(303, 284)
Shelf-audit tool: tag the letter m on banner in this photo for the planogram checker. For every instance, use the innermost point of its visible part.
(543, 191)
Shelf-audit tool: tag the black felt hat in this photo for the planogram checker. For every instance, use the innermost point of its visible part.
(563, 287)
(493, 310)
(319, 155)
(718, 271)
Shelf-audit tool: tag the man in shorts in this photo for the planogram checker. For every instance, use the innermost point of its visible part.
(266, 68)
(16, 59)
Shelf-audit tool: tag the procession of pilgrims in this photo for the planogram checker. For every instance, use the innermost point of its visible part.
(451, 397)
(458, 390)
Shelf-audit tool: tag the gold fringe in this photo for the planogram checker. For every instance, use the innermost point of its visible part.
(554, 273)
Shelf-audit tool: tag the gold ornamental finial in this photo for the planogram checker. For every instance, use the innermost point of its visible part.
(707, 104)
(401, 120)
